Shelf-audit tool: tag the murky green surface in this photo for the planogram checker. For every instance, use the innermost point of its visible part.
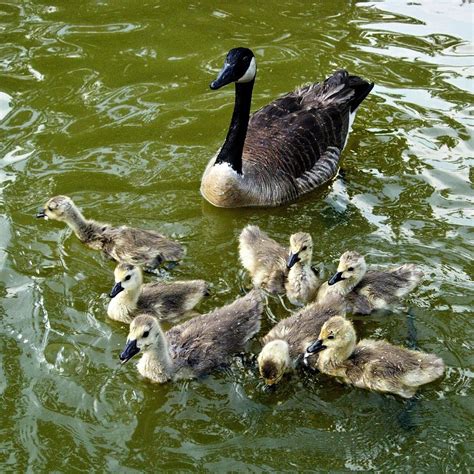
(108, 102)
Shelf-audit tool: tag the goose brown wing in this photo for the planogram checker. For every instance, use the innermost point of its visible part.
(297, 131)
(207, 341)
(142, 247)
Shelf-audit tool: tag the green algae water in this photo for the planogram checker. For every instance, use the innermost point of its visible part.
(108, 102)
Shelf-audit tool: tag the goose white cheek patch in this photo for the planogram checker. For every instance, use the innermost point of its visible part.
(250, 73)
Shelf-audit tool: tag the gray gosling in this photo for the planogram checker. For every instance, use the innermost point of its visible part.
(123, 244)
(373, 365)
(366, 291)
(165, 300)
(196, 347)
(287, 148)
(277, 269)
(285, 344)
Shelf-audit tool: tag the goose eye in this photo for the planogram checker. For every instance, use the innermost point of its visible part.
(331, 336)
(304, 248)
(127, 278)
(146, 333)
(350, 269)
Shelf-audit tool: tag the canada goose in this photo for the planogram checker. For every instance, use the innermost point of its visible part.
(277, 269)
(123, 244)
(286, 342)
(197, 346)
(370, 364)
(287, 148)
(165, 300)
(366, 291)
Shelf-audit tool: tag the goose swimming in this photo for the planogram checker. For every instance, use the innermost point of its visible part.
(196, 347)
(165, 300)
(365, 291)
(286, 342)
(277, 269)
(285, 149)
(123, 244)
(371, 364)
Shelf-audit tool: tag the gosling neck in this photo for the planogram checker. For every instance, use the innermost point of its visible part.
(78, 223)
(231, 151)
(334, 358)
(156, 362)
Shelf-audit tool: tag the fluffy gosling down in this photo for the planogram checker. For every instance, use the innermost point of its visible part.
(366, 291)
(165, 300)
(285, 344)
(196, 347)
(277, 269)
(123, 244)
(370, 364)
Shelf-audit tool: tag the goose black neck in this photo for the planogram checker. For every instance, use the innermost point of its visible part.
(231, 151)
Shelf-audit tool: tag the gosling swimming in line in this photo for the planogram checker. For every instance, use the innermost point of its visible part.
(374, 365)
(287, 148)
(123, 244)
(277, 269)
(286, 343)
(365, 291)
(165, 300)
(196, 347)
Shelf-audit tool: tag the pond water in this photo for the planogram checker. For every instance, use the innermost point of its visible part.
(108, 102)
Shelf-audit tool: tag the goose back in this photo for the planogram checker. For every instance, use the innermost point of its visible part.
(206, 341)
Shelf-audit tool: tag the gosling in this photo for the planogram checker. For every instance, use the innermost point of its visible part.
(196, 347)
(367, 291)
(123, 244)
(373, 365)
(285, 344)
(167, 301)
(277, 269)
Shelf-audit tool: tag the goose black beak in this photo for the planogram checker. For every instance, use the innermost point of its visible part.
(116, 289)
(292, 259)
(130, 350)
(224, 77)
(313, 348)
(335, 278)
(41, 214)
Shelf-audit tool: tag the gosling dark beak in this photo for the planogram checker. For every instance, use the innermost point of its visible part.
(313, 348)
(130, 350)
(292, 259)
(335, 278)
(316, 346)
(41, 214)
(224, 77)
(116, 289)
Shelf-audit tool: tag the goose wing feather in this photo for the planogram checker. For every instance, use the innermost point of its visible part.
(206, 341)
(141, 247)
(304, 327)
(304, 128)
(172, 299)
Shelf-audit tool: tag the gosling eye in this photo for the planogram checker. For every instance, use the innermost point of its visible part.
(127, 278)
(304, 248)
(331, 336)
(146, 333)
(350, 269)
(50, 208)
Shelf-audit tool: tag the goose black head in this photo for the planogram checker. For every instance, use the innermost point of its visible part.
(239, 66)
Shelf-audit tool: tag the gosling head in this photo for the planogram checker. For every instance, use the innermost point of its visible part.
(351, 268)
(58, 208)
(239, 66)
(337, 334)
(301, 248)
(144, 330)
(273, 361)
(128, 278)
